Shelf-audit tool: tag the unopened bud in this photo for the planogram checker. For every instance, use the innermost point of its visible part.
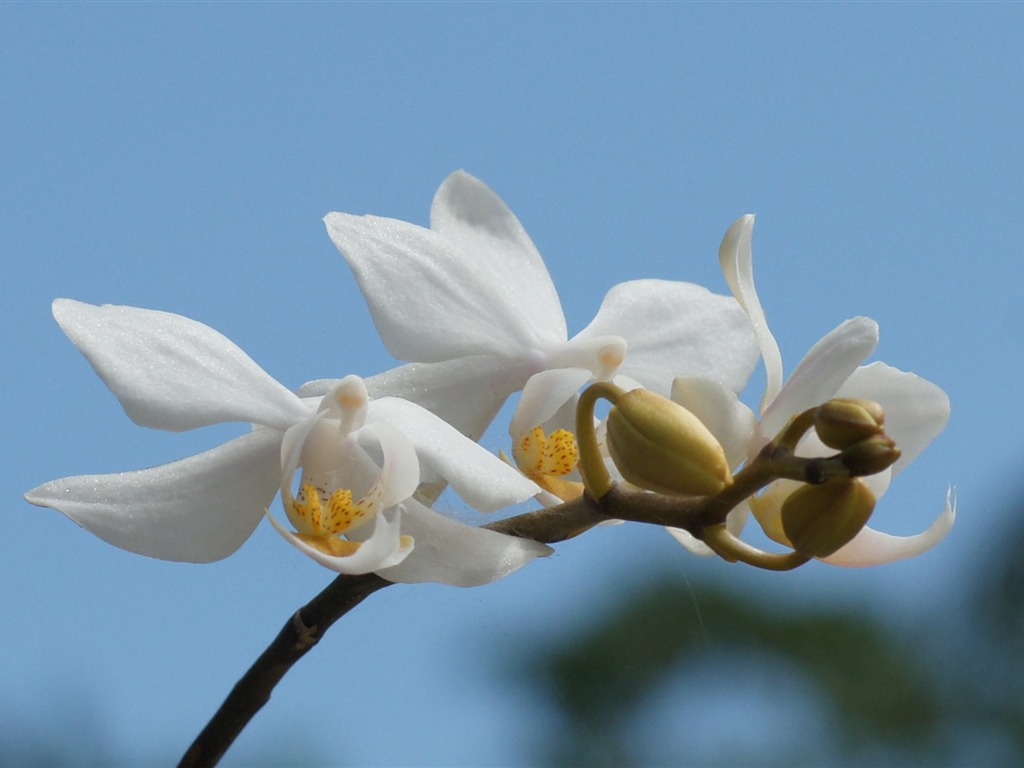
(870, 456)
(660, 446)
(819, 519)
(843, 421)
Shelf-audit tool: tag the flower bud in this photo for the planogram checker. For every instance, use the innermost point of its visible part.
(870, 456)
(819, 519)
(843, 421)
(660, 446)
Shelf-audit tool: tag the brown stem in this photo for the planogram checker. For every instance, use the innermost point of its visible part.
(300, 633)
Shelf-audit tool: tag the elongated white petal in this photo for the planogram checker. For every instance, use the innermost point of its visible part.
(460, 555)
(489, 237)
(543, 395)
(736, 257)
(482, 480)
(467, 393)
(173, 373)
(871, 547)
(674, 328)
(825, 367)
(400, 470)
(732, 423)
(382, 549)
(195, 510)
(916, 410)
(429, 300)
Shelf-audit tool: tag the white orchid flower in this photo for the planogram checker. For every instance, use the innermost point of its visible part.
(470, 304)
(173, 373)
(915, 412)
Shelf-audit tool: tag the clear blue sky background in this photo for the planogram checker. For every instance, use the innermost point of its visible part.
(180, 157)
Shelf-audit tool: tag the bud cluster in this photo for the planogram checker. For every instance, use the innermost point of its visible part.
(662, 448)
(855, 428)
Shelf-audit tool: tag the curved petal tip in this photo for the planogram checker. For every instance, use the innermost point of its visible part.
(871, 547)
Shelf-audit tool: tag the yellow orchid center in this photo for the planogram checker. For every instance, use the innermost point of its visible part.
(539, 454)
(547, 459)
(319, 517)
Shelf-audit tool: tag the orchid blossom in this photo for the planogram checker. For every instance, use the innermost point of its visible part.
(915, 412)
(173, 373)
(471, 307)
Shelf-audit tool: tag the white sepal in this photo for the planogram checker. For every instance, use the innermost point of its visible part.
(916, 410)
(171, 372)
(460, 555)
(674, 328)
(489, 238)
(825, 367)
(737, 260)
(197, 510)
(477, 476)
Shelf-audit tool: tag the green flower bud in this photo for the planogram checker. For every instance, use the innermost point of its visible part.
(843, 421)
(819, 519)
(870, 456)
(660, 446)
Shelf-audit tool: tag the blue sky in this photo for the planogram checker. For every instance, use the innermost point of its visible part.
(180, 157)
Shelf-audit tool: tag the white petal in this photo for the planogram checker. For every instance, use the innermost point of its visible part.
(482, 480)
(460, 555)
(543, 395)
(732, 423)
(430, 300)
(870, 547)
(916, 410)
(381, 550)
(737, 260)
(483, 229)
(400, 473)
(825, 367)
(170, 372)
(675, 328)
(467, 393)
(196, 510)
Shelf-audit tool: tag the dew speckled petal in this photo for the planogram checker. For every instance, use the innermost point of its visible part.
(171, 372)
(197, 510)
(674, 328)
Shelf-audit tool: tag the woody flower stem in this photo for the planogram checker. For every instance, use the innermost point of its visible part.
(300, 633)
